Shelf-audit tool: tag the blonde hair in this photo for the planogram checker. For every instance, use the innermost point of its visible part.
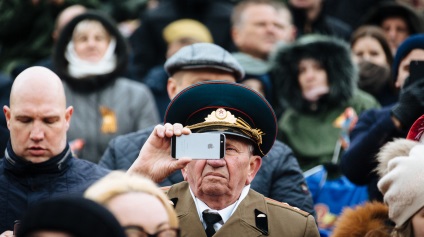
(118, 182)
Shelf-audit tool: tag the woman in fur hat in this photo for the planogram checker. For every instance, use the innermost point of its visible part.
(315, 79)
(91, 57)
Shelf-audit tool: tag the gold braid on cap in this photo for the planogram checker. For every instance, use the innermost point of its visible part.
(224, 118)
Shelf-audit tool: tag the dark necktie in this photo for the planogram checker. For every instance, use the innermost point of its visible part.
(210, 219)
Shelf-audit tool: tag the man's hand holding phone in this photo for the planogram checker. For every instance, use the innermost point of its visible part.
(154, 159)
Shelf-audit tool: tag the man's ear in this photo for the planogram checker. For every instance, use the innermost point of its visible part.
(235, 35)
(254, 165)
(6, 111)
(171, 87)
(68, 114)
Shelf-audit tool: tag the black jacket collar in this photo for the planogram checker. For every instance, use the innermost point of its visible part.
(19, 165)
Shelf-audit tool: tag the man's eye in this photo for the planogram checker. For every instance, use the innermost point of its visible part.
(50, 120)
(24, 120)
(231, 151)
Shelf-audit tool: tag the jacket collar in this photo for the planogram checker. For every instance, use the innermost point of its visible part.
(255, 220)
(19, 165)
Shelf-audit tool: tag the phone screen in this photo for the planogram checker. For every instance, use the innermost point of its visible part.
(416, 71)
(199, 146)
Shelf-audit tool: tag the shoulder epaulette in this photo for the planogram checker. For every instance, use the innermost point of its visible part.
(286, 205)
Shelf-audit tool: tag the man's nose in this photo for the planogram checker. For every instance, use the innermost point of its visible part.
(37, 133)
(216, 163)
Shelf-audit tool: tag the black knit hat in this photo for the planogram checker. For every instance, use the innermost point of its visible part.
(76, 216)
(412, 42)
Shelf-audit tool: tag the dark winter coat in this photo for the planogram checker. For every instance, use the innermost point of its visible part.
(373, 129)
(23, 184)
(279, 177)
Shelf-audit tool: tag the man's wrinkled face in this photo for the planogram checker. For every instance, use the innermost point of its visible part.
(261, 28)
(38, 125)
(223, 177)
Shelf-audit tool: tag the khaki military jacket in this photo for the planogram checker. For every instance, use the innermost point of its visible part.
(255, 216)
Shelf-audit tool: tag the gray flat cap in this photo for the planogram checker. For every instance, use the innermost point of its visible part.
(204, 55)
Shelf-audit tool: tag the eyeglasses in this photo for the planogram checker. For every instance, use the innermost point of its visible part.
(137, 231)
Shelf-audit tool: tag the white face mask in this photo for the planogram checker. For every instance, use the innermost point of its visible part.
(79, 68)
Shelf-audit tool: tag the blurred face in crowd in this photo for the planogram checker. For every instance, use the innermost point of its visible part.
(396, 30)
(176, 45)
(403, 70)
(313, 79)
(65, 17)
(49, 234)
(260, 28)
(254, 84)
(418, 223)
(140, 213)
(304, 3)
(184, 78)
(219, 182)
(369, 49)
(37, 118)
(91, 40)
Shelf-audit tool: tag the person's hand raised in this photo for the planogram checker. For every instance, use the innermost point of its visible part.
(410, 105)
(154, 159)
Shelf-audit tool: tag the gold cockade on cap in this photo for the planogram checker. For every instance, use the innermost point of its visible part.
(222, 117)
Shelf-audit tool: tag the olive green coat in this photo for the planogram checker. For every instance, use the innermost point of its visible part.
(255, 216)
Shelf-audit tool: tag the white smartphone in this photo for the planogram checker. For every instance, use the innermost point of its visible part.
(198, 146)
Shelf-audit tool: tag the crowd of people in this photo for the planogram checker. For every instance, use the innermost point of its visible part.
(94, 91)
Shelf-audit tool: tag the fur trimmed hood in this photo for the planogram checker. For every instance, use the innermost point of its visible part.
(96, 82)
(370, 219)
(335, 57)
(396, 148)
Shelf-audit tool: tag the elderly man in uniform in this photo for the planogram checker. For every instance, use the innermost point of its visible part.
(279, 178)
(215, 199)
(38, 163)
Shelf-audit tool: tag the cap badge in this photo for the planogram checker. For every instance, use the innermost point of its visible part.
(221, 115)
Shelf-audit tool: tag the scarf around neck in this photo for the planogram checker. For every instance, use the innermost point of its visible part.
(79, 68)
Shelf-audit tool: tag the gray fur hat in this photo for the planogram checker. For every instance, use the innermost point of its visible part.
(335, 57)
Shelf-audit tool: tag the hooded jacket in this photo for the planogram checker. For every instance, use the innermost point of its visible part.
(105, 105)
(302, 127)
